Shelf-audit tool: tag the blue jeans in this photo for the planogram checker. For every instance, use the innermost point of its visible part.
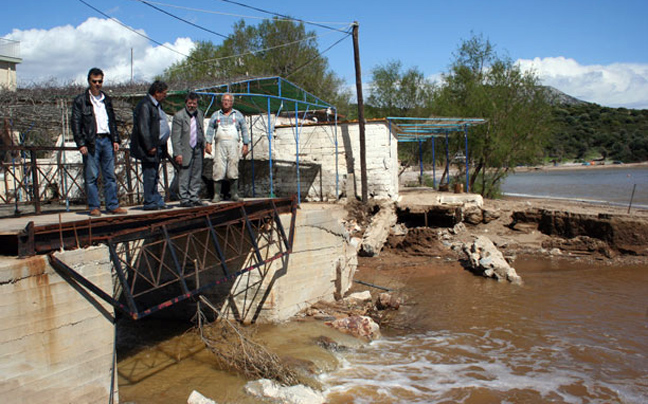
(102, 158)
(151, 177)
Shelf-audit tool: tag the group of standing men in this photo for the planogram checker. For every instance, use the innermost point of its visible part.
(95, 133)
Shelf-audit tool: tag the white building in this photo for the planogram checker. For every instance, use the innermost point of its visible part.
(9, 58)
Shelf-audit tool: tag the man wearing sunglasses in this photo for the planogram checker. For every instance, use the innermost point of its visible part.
(95, 133)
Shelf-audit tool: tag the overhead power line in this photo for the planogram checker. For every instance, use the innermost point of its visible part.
(319, 55)
(279, 15)
(265, 50)
(200, 10)
(132, 29)
(182, 19)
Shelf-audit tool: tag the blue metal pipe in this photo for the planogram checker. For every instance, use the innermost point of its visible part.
(447, 159)
(436, 119)
(420, 143)
(270, 150)
(280, 79)
(297, 152)
(433, 165)
(467, 164)
(337, 174)
(252, 158)
(274, 97)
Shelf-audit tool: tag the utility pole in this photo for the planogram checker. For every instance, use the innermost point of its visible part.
(361, 120)
(131, 65)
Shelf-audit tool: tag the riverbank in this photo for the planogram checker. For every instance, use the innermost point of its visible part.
(516, 231)
(580, 166)
(447, 313)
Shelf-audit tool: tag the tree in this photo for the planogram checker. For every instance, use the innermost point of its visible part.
(482, 84)
(272, 48)
(395, 92)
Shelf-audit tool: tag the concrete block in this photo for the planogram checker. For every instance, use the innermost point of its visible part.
(63, 352)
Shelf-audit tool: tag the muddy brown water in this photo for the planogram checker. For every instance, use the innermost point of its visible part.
(572, 333)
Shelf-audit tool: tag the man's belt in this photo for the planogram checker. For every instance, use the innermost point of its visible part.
(101, 135)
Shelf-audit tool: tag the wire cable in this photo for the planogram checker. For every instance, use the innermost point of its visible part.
(279, 15)
(319, 55)
(182, 19)
(199, 10)
(253, 52)
(132, 29)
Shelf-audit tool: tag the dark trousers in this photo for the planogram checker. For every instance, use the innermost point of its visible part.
(151, 177)
(190, 179)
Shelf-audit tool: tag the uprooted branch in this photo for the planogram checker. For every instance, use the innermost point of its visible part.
(236, 350)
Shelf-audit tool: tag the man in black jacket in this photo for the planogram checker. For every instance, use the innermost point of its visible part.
(148, 141)
(95, 133)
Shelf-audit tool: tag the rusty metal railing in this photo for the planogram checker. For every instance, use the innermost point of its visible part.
(163, 259)
(57, 181)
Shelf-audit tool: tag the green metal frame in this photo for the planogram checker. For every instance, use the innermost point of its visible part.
(411, 129)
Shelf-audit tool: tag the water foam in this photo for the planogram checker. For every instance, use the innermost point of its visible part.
(442, 366)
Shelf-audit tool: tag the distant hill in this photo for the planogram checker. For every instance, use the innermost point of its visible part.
(584, 131)
(557, 97)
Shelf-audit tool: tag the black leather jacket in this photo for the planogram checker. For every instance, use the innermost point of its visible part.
(146, 131)
(84, 125)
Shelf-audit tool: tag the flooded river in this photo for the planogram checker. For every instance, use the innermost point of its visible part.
(613, 185)
(570, 334)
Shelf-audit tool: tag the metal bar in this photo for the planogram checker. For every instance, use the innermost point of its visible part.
(122, 278)
(217, 246)
(252, 156)
(420, 144)
(291, 236)
(279, 225)
(129, 179)
(63, 267)
(35, 185)
(252, 235)
(337, 173)
(274, 97)
(297, 150)
(467, 164)
(406, 118)
(433, 165)
(447, 159)
(270, 150)
(171, 302)
(178, 267)
(373, 286)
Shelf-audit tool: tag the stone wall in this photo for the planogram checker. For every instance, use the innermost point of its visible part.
(55, 345)
(320, 268)
(320, 164)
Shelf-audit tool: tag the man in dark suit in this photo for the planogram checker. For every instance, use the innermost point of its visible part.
(148, 141)
(188, 139)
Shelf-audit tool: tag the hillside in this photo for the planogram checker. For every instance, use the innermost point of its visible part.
(557, 97)
(587, 131)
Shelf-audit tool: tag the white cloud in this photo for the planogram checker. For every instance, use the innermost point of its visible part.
(66, 53)
(614, 85)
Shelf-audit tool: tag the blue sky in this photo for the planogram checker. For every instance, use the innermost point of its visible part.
(595, 50)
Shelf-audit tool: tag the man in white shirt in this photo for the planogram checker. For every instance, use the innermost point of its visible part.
(95, 133)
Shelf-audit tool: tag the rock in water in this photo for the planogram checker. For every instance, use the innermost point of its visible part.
(358, 326)
(197, 398)
(299, 394)
(387, 301)
(488, 261)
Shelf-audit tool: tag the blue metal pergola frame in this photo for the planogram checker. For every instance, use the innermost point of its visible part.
(276, 94)
(411, 129)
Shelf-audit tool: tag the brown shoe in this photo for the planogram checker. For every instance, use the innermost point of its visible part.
(118, 211)
(95, 212)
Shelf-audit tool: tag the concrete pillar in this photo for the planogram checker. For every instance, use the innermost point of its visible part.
(56, 346)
